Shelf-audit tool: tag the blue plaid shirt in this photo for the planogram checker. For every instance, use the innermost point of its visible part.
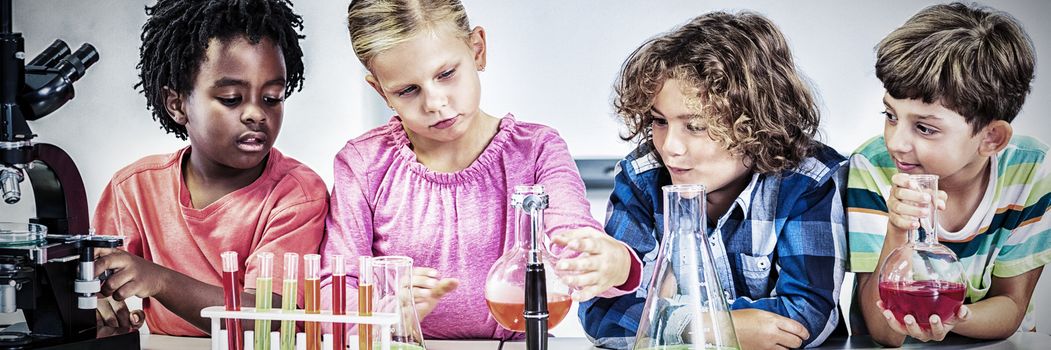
(781, 247)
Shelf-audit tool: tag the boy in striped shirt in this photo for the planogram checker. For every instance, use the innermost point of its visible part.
(956, 76)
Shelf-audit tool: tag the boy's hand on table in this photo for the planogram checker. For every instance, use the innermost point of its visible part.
(759, 329)
(938, 329)
(905, 205)
(428, 289)
(603, 262)
(132, 275)
(115, 316)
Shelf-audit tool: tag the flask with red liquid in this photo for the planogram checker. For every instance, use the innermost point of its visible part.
(922, 277)
(506, 283)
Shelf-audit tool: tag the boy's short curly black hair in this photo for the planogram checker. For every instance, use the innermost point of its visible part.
(176, 35)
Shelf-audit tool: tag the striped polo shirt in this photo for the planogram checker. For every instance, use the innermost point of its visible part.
(1007, 235)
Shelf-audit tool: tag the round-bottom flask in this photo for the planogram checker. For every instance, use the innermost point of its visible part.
(922, 277)
(505, 283)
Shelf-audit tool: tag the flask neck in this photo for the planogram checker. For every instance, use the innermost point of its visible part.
(529, 232)
(529, 203)
(923, 236)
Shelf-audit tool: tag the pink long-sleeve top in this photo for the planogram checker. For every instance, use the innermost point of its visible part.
(385, 202)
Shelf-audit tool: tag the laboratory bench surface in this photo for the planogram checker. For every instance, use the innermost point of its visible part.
(1030, 340)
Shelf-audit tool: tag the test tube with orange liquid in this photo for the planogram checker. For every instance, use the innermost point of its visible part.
(232, 297)
(365, 289)
(312, 294)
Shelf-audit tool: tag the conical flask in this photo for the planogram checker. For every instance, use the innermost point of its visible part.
(923, 277)
(392, 278)
(685, 307)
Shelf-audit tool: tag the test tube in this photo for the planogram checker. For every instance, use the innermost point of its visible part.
(288, 300)
(339, 301)
(365, 289)
(263, 294)
(232, 296)
(312, 293)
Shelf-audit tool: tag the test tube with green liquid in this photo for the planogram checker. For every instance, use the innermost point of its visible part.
(288, 300)
(263, 292)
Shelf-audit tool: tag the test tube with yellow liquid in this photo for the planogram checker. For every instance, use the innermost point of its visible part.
(289, 295)
(263, 293)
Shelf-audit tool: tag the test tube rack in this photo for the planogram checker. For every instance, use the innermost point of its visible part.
(219, 313)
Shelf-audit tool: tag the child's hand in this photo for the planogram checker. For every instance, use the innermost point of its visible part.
(132, 275)
(759, 329)
(603, 262)
(115, 314)
(428, 289)
(905, 204)
(938, 328)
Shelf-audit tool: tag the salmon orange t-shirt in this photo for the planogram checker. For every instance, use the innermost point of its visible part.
(148, 203)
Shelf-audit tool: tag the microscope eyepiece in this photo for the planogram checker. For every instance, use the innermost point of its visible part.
(51, 55)
(50, 86)
(73, 66)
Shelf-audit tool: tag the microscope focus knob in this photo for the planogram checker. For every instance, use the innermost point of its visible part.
(87, 287)
(86, 290)
(87, 303)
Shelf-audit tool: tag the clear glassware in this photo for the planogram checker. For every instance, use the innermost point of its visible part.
(312, 298)
(505, 283)
(264, 290)
(685, 307)
(923, 277)
(392, 280)
(17, 234)
(232, 288)
(289, 291)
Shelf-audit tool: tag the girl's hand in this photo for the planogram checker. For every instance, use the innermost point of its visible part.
(428, 289)
(906, 205)
(603, 262)
(938, 329)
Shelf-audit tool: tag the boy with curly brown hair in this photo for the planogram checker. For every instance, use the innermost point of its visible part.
(718, 102)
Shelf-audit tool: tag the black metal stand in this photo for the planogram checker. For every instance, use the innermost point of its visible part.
(536, 315)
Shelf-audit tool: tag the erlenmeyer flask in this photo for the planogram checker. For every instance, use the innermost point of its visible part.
(392, 277)
(685, 307)
(923, 277)
(505, 283)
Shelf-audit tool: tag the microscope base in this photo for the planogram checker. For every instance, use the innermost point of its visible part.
(9, 339)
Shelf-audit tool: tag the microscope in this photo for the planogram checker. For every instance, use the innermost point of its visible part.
(46, 265)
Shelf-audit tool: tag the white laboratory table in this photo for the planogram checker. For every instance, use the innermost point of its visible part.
(1017, 341)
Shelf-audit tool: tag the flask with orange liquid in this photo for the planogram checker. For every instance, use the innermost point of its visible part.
(518, 288)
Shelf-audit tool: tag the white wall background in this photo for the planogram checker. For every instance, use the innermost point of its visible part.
(549, 61)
